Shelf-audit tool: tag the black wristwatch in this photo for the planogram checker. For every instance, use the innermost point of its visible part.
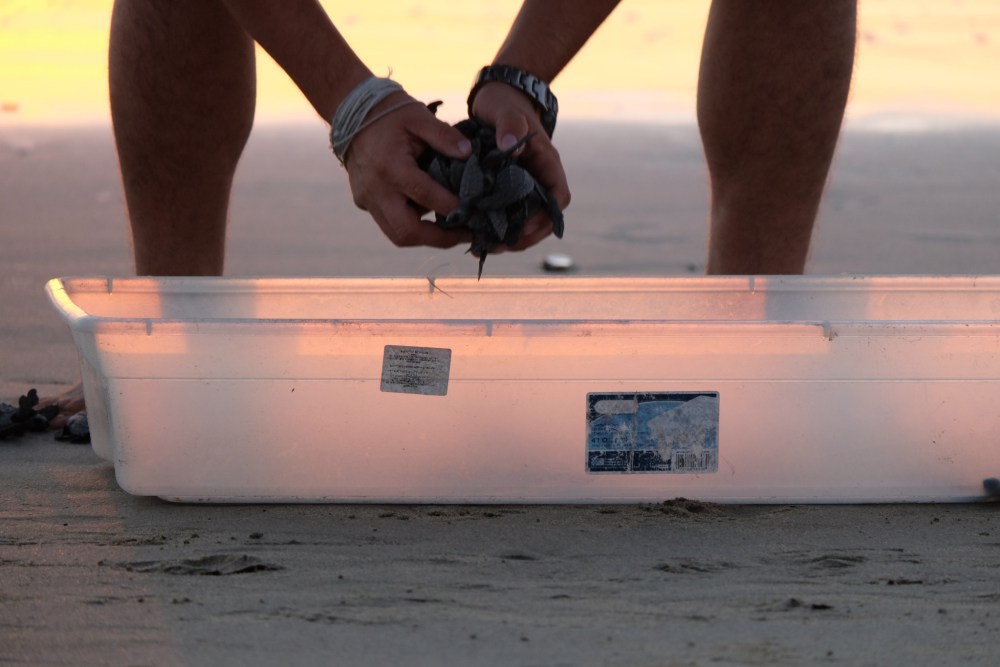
(529, 84)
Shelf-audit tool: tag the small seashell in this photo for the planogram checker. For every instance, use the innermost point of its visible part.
(558, 261)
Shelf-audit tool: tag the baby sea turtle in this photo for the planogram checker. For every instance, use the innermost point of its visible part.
(496, 196)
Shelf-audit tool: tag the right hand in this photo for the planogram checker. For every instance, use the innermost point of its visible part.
(514, 116)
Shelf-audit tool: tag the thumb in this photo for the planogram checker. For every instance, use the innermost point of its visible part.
(507, 110)
(511, 127)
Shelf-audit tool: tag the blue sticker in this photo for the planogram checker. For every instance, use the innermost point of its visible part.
(675, 432)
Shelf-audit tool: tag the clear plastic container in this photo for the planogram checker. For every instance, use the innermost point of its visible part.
(571, 389)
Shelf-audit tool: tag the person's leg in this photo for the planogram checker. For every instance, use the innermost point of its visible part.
(772, 90)
(183, 85)
(182, 80)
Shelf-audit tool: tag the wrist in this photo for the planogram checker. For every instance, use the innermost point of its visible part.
(367, 103)
(529, 85)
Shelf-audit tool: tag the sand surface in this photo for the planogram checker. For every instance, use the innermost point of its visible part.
(91, 575)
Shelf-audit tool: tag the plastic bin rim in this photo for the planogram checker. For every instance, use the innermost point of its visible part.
(60, 290)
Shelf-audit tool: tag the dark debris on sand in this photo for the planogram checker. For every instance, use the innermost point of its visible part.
(25, 418)
(15, 421)
(76, 431)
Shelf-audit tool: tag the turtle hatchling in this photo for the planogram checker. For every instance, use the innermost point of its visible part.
(496, 196)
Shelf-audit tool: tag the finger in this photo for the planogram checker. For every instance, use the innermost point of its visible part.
(535, 230)
(542, 161)
(442, 137)
(402, 224)
(425, 192)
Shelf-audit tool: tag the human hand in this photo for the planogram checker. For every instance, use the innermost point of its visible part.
(514, 116)
(386, 181)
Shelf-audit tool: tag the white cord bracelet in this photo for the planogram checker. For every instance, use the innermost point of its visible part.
(350, 117)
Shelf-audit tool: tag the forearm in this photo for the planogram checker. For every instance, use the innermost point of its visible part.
(300, 37)
(547, 34)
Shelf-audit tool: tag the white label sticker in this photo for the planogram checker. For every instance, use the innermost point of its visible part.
(416, 370)
(675, 432)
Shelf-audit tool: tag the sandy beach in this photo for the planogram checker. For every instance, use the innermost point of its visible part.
(91, 575)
